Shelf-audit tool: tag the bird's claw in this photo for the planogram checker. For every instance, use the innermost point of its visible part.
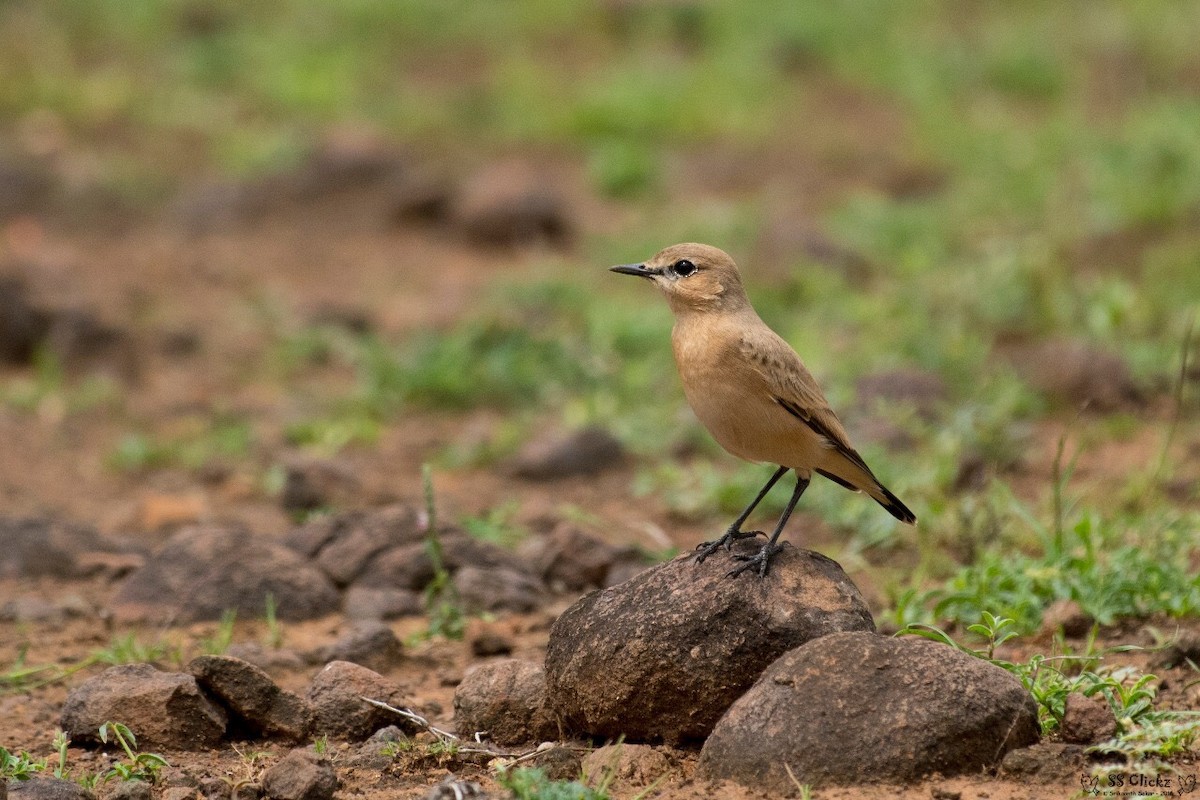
(761, 559)
(708, 548)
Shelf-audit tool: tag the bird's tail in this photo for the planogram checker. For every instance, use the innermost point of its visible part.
(865, 481)
(893, 505)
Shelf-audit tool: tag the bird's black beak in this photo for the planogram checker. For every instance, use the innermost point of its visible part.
(640, 270)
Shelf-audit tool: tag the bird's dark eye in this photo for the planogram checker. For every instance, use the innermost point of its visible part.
(684, 268)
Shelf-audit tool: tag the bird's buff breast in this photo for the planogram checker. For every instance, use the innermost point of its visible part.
(730, 401)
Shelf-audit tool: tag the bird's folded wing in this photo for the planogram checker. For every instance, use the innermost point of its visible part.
(794, 388)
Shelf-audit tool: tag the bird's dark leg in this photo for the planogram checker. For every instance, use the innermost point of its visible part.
(762, 559)
(735, 531)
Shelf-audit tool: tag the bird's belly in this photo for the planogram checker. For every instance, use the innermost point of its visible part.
(756, 428)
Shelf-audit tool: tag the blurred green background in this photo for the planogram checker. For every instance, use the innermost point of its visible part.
(934, 187)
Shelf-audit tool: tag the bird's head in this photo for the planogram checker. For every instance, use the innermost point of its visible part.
(694, 277)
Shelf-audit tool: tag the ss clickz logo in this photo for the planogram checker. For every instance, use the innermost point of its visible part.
(1167, 785)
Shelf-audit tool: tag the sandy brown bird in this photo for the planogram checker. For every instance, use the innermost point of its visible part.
(751, 390)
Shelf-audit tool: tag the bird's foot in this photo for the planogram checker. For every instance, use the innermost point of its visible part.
(732, 535)
(760, 560)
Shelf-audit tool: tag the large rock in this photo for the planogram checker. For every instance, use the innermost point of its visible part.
(163, 709)
(860, 708)
(40, 546)
(663, 655)
(506, 700)
(408, 566)
(337, 693)
(252, 697)
(201, 572)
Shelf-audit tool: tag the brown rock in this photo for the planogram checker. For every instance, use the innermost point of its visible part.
(1074, 373)
(511, 204)
(40, 546)
(571, 560)
(46, 788)
(925, 392)
(200, 573)
(903, 708)
(300, 775)
(487, 641)
(363, 603)
(336, 697)
(506, 700)
(585, 452)
(252, 697)
(128, 790)
(361, 538)
(1046, 762)
(181, 793)
(492, 589)
(314, 483)
(1087, 720)
(1066, 616)
(371, 644)
(663, 655)
(631, 766)
(23, 325)
(163, 709)
(409, 566)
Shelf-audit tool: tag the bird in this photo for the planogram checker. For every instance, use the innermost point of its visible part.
(752, 392)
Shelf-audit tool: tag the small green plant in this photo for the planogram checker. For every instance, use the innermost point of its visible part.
(496, 526)
(274, 636)
(137, 766)
(446, 617)
(321, 744)
(531, 783)
(223, 637)
(19, 766)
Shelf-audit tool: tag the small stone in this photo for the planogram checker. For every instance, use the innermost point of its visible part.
(408, 566)
(23, 325)
(571, 560)
(484, 589)
(585, 452)
(511, 203)
(44, 788)
(488, 641)
(632, 766)
(163, 709)
(367, 603)
(252, 697)
(1067, 616)
(1087, 720)
(939, 793)
(300, 775)
(129, 790)
(1185, 648)
(311, 484)
(559, 763)
(1077, 373)
(506, 700)
(371, 644)
(1047, 762)
(336, 697)
(31, 609)
(181, 793)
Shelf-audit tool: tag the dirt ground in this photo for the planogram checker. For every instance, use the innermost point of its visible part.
(228, 288)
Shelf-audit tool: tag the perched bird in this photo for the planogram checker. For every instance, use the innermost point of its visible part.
(751, 390)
